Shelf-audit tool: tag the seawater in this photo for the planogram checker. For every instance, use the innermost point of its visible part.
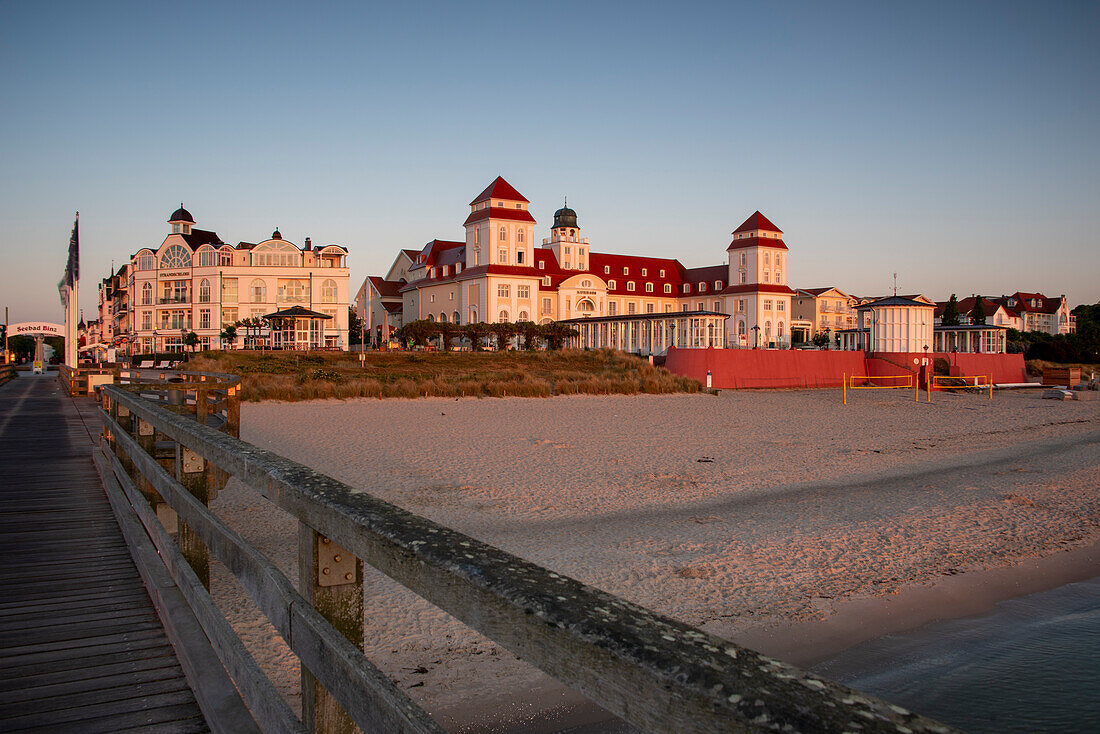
(1032, 665)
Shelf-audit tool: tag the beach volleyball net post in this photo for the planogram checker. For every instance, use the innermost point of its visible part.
(960, 382)
(880, 382)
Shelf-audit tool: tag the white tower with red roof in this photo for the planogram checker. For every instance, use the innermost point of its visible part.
(757, 297)
(500, 229)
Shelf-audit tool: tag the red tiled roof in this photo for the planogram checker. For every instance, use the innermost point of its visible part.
(499, 189)
(757, 242)
(1046, 305)
(386, 288)
(499, 212)
(758, 288)
(431, 251)
(757, 221)
(966, 305)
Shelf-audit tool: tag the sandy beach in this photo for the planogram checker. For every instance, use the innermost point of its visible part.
(779, 519)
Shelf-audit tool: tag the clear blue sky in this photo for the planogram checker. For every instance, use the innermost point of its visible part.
(957, 144)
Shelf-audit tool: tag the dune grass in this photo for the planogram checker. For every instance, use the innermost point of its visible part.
(312, 375)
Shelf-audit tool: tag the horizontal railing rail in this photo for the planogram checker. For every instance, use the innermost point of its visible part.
(7, 372)
(655, 672)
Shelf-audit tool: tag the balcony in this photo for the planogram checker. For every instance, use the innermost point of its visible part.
(174, 299)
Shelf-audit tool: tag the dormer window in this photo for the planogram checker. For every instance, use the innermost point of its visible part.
(630, 285)
(546, 281)
(446, 271)
(668, 288)
(626, 271)
(606, 269)
(687, 288)
(702, 287)
(662, 272)
(717, 285)
(610, 285)
(644, 270)
(542, 265)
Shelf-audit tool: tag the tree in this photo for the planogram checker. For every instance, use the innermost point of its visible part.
(416, 332)
(253, 329)
(821, 339)
(447, 331)
(191, 340)
(950, 312)
(531, 332)
(977, 314)
(355, 327)
(503, 332)
(228, 336)
(476, 333)
(557, 334)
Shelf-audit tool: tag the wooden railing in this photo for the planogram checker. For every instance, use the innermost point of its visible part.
(657, 673)
(7, 372)
(82, 380)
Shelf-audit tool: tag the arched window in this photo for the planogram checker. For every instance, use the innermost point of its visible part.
(503, 234)
(519, 235)
(523, 316)
(585, 306)
(779, 329)
(146, 261)
(454, 317)
(281, 254)
(503, 318)
(328, 291)
(431, 317)
(147, 294)
(225, 256)
(586, 284)
(740, 328)
(473, 314)
(175, 256)
(442, 317)
(767, 328)
(204, 287)
(258, 291)
(206, 257)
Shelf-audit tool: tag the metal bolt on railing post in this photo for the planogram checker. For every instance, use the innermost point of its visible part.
(331, 579)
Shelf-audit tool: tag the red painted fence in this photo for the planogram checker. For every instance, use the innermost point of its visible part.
(773, 368)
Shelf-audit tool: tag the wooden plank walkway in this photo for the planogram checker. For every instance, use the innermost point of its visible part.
(81, 646)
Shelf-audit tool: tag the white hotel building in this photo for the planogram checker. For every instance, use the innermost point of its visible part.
(195, 282)
(638, 304)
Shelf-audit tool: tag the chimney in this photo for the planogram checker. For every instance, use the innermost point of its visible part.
(309, 243)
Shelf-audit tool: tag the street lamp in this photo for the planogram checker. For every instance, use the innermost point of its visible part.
(755, 337)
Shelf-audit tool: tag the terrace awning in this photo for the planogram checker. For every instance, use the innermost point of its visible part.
(297, 312)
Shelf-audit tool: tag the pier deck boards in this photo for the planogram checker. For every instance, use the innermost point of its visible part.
(81, 646)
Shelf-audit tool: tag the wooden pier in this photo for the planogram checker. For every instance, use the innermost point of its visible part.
(81, 646)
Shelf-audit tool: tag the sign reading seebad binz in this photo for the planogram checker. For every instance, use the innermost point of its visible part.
(34, 328)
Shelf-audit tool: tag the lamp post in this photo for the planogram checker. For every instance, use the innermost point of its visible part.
(755, 337)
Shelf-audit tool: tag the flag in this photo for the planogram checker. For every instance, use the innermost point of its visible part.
(72, 267)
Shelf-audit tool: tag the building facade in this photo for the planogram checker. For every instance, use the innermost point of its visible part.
(818, 310)
(195, 282)
(500, 273)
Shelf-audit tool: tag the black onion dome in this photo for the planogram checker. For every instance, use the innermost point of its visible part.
(276, 235)
(565, 217)
(181, 215)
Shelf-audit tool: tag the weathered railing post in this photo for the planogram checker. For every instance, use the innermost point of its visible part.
(192, 472)
(143, 433)
(233, 410)
(331, 579)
